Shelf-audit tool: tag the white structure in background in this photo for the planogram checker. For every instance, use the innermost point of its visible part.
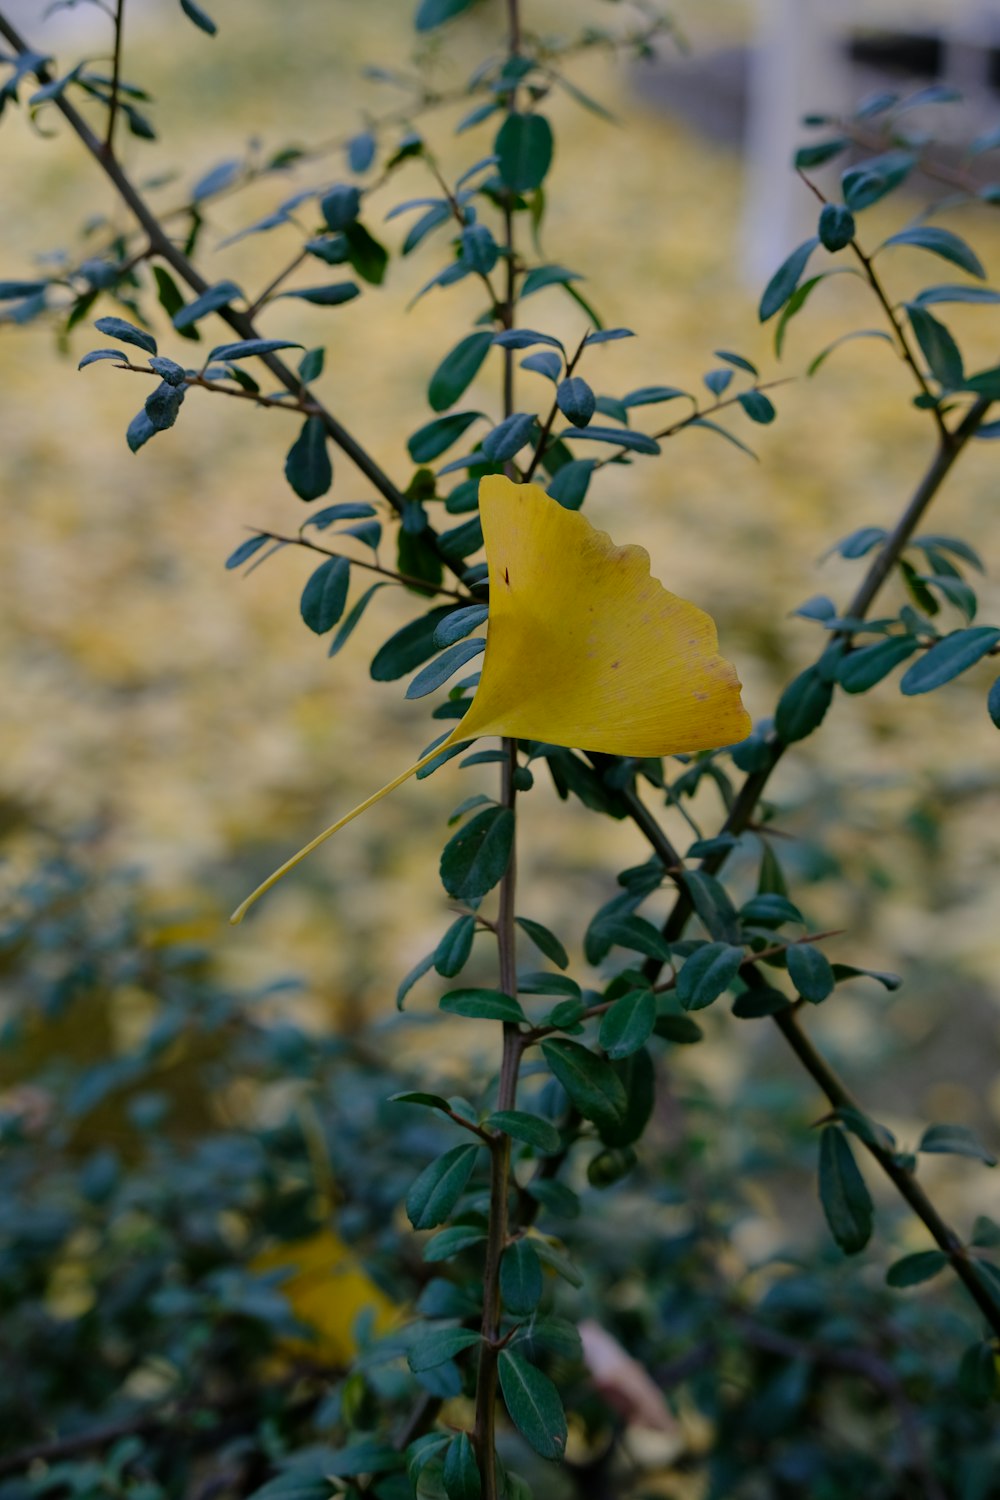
(798, 66)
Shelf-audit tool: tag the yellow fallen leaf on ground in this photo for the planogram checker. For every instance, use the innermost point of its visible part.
(584, 648)
(327, 1289)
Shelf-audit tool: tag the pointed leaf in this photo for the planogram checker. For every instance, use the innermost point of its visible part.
(308, 468)
(942, 242)
(476, 857)
(444, 666)
(439, 1187)
(590, 1082)
(947, 658)
(534, 1405)
(844, 1196)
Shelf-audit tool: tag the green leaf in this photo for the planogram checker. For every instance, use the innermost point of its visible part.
(139, 431)
(366, 254)
(523, 148)
(520, 1278)
(561, 1264)
(452, 952)
(802, 706)
(461, 1471)
(97, 355)
(570, 484)
(245, 348)
(171, 300)
(757, 407)
(845, 1199)
(457, 370)
(198, 16)
(620, 437)
(836, 226)
(591, 1083)
(439, 1187)
(947, 658)
(542, 276)
(943, 356)
(333, 295)
(216, 297)
(245, 550)
(575, 400)
(629, 1023)
(850, 971)
(913, 1269)
(933, 294)
(340, 206)
(409, 646)
(11, 291)
(438, 1345)
(545, 941)
(769, 909)
(407, 983)
(819, 152)
(845, 338)
(993, 703)
(707, 974)
(432, 13)
(977, 1374)
(325, 595)
(352, 619)
(534, 1405)
(626, 930)
(651, 395)
(508, 437)
(127, 333)
(810, 972)
(530, 1129)
(862, 669)
(163, 404)
(453, 1241)
(444, 666)
(431, 440)
(955, 1140)
(785, 280)
(476, 857)
(482, 1005)
(879, 176)
(543, 983)
(714, 908)
(985, 1233)
(942, 242)
(307, 467)
(311, 365)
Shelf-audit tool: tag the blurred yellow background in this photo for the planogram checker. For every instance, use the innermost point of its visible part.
(182, 720)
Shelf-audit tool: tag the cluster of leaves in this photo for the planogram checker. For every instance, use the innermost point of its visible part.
(142, 1327)
(595, 1046)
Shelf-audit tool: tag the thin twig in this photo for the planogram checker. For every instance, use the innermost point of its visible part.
(895, 322)
(543, 439)
(275, 282)
(116, 70)
(360, 562)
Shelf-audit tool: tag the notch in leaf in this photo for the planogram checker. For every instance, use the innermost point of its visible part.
(592, 652)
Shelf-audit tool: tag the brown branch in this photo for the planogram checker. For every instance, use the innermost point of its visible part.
(360, 562)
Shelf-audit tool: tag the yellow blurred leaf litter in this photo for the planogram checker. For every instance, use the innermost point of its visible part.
(327, 1289)
(584, 648)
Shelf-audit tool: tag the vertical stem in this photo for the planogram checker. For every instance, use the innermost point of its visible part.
(484, 1435)
(116, 72)
(486, 1380)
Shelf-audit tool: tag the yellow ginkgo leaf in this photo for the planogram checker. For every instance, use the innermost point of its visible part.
(584, 648)
(327, 1289)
